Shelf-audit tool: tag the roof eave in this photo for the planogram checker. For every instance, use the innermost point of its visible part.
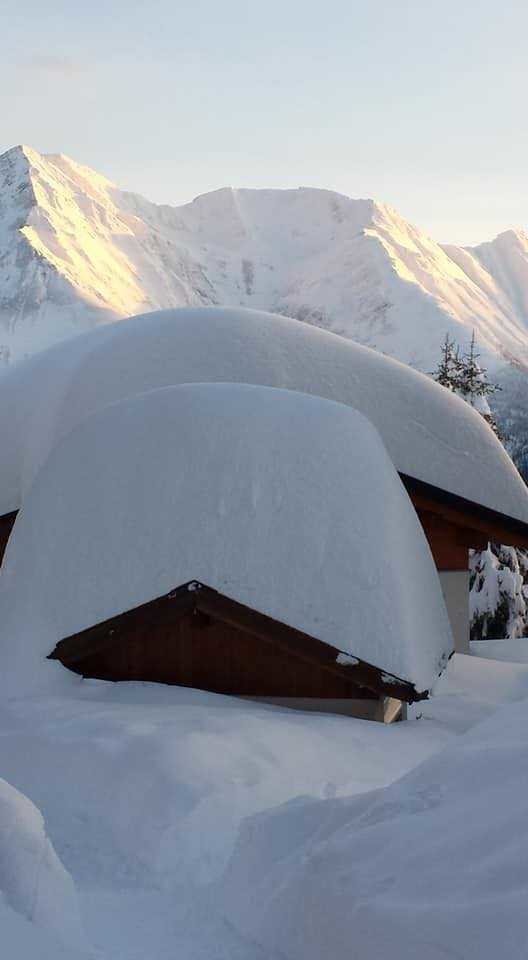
(467, 513)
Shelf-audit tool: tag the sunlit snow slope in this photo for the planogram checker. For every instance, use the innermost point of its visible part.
(76, 251)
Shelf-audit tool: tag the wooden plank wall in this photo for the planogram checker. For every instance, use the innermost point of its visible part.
(197, 651)
(449, 542)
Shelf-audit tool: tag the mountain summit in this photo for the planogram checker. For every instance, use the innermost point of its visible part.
(76, 251)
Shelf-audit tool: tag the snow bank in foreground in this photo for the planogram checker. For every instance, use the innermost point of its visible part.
(285, 502)
(145, 788)
(33, 881)
(148, 784)
(428, 432)
(435, 865)
(22, 940)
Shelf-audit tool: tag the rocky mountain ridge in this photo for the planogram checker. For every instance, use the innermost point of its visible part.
(76, 251)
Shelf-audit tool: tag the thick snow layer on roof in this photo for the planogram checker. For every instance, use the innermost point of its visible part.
(284, 502)
(429, 433)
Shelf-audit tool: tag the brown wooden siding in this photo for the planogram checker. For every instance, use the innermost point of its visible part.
(195, 636)
(448, 543)
(479, 523)
(196, 651)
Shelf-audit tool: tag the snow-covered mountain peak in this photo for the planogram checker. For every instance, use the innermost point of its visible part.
(259, 212)
(21, 154)
(80, 177)
(16, 191)
(505, 260)
(75, 251)
(512, 237)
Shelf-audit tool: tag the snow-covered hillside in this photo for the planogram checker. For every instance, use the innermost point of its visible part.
(75, 251)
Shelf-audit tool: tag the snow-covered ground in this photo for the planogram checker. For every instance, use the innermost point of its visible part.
(76, 252)
(508, 650)
(33, 882)
(434, 866)
(201, 827)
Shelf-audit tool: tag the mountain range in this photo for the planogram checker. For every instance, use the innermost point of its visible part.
(76, 251)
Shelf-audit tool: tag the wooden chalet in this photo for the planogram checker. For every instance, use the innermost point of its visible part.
(196, 637)
(463, 486)
(276, 580)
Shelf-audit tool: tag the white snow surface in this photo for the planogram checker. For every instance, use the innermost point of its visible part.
(282, 501)
(429, 433)
(434, 866)
(23, 940)
(77, 252)
(33, 881)
(150, 792)
(513, 649)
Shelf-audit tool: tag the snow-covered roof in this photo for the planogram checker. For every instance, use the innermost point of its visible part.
(429, 433)
(284, 502)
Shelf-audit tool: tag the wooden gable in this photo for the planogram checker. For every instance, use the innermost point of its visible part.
(195, 636)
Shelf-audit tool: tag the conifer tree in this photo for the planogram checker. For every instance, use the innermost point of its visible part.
(499, 574)
(448, 371)
(465, 376)
(474, 386)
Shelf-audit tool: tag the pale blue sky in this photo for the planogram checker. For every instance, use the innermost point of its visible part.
(420, 104)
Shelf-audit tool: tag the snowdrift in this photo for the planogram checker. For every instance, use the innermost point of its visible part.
(429, 433)
(33, 881)
(22, 940)
(436, 865)
(151, 783)
(284, 502)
